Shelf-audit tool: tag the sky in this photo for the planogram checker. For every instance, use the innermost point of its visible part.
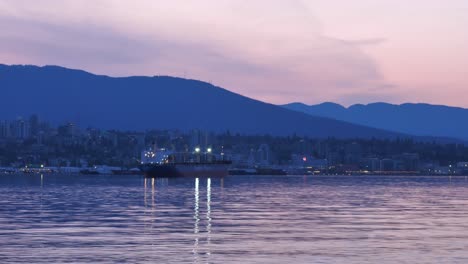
(278, 51)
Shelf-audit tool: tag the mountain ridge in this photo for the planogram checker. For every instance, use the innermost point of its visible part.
(155, 102)
(411, 118)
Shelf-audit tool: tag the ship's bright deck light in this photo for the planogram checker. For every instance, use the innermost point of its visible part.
(209, 150)
(197, 150)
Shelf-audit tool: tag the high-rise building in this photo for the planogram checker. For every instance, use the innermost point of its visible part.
(409, 161)
(20, 129)
(5, 129)
(34, 125)
(68, 130)
(263, 155)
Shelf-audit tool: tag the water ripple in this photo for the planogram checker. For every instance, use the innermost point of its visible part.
(63, 219)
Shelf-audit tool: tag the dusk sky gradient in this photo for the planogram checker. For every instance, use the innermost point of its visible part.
(278, 51)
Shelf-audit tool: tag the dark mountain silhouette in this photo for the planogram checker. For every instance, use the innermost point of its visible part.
(138, 103)
(415, 119)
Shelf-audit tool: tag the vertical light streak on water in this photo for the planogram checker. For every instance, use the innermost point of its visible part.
(41, 202)
(152, 194)
(42, 189)
(208, 215)
(153, 206)
(197, 219)
(145, 204)
(144, 197)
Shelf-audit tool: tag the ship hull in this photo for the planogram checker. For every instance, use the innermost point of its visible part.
(185, 170)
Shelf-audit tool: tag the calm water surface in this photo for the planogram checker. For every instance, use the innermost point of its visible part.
(70, 219)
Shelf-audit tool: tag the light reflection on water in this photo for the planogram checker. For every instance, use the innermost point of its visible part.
(271, 219)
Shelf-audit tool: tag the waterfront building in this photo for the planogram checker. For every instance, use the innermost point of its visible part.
(263, 155)
(387, 165)
(462, 167)
(372, 164)
(442, 170)
(308, 161)
(353, 153)
(408, 162)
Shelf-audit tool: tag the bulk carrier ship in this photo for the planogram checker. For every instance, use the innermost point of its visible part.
(161, 163)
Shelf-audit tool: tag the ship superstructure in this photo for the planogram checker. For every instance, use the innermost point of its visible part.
(165, 163)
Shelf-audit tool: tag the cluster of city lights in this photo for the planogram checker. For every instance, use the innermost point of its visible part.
(150, 154)
(208, 150)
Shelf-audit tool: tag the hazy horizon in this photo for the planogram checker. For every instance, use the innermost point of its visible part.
(275, 51)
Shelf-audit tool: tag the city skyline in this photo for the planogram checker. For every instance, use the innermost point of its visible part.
(35, 145)
(275, 51)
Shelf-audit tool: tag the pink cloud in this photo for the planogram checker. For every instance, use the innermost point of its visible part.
(272, 50)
